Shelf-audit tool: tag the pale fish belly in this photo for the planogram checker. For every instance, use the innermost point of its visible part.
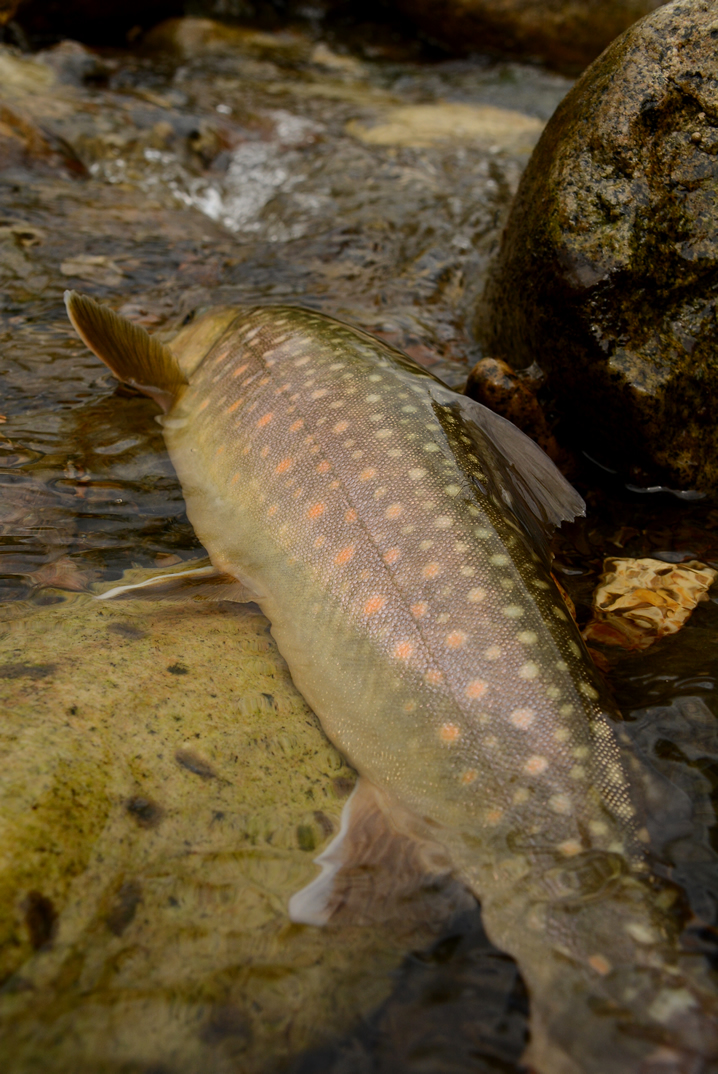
(395, 534)
(414, 615)
(420, 621)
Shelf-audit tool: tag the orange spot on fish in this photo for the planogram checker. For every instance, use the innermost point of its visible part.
(392, 555)
(222, 355)
(455, 639)
(220, 449)
(433, 677)
(238, 372)
(341, 427)
(469, 776)
(235, 479)
(494, 816)
(600, 964)
(316, 510)
(283, 466)
(571, 847)
(394, 511)
(335, 484)
(417, 610)
(345, 555)
(449, 732)
(231, 409)
(324, 467)
(476, 689)
(367, 475)
(265, 420)
(403, 650)
(203, 404)
(351, 515)
(296, 426)
(431, 570)
(374, 605)
(536, 765)
(272, 511)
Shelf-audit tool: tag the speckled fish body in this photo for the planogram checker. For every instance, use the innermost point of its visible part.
(390, 531)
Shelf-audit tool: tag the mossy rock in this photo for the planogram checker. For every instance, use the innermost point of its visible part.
(165, 789)
(607, 271)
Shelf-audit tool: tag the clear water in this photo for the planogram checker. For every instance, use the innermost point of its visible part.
(164, 788)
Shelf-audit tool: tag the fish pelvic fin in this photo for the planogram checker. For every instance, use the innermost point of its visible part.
(382, 866)
(135, 357)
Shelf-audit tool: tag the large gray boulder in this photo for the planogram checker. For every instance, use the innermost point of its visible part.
(607, 274)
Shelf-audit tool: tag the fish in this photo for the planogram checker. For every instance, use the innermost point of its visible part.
(396, 535)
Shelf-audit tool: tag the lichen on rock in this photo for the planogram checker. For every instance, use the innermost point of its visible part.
(606, 275)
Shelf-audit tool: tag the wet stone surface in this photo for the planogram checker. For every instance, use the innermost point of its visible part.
(606, 273)
(165, 788)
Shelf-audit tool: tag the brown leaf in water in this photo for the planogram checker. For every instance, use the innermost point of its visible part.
(638, 601)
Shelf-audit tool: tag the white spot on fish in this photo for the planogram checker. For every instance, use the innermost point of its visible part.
(536, 765)
(527, 637)
(431, 446)
(468, 572)
(529, 670)
(443, 522)
(560, 803)
(417, 474)
(522, 718)
(588, 691)
(512, 611)
(452, 490)
(493, 652)
(475, 596)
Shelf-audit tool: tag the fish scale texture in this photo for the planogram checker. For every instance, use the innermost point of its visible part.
(364, 499)
(391, 530)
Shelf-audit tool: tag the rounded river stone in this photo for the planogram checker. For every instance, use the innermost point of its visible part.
(607, 275)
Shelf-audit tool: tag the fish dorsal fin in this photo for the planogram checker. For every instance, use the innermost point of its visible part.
(134, 356)
(381, 866)
(520, 473)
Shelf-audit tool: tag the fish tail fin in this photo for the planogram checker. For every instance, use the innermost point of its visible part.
(135, 357)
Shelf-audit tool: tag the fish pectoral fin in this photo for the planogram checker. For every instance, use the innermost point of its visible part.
(135, 357)
(381, 866)
(201, 580)
(521, 473)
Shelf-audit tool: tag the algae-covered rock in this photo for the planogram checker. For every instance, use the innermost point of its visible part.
(566, 33)
(606, 274)
(165, 790)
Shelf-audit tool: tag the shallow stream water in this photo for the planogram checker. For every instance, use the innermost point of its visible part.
(164, 787)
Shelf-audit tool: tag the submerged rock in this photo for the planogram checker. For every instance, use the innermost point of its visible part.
(164, 791)
(559, 32)
(606, 274)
